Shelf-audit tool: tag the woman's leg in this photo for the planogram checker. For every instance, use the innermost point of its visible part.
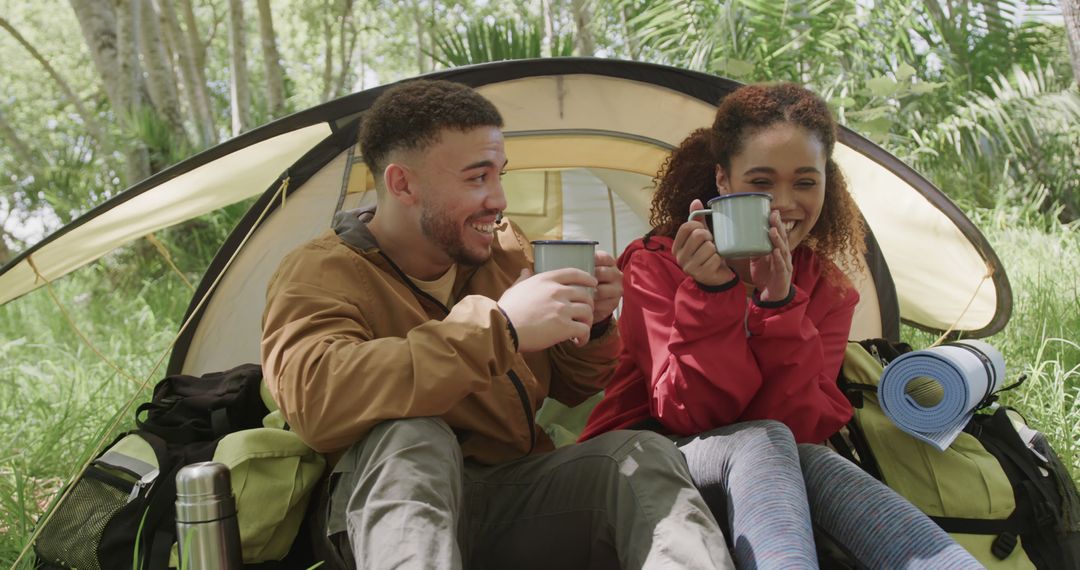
(749, 475)
(878, 527)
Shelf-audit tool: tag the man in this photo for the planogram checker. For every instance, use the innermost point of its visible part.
(413, 345)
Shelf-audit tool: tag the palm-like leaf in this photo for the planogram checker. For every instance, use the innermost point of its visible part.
(481, 41)
(1024, 130)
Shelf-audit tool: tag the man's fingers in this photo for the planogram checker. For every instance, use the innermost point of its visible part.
(571, 276)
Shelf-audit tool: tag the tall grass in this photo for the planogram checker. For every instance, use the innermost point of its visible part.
(1042, 339)
(57, 398)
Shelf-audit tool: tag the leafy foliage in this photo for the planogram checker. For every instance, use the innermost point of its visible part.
(484, 41)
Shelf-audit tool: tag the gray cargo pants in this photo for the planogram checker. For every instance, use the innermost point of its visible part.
(404, 498)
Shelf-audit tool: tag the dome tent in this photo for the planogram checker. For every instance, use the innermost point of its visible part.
(584, 138)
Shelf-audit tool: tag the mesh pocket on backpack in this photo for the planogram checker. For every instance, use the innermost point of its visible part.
(74, 531)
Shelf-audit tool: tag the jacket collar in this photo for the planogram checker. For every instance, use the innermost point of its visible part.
(351, 227)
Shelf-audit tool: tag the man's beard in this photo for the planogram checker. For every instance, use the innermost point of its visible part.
(447, 235)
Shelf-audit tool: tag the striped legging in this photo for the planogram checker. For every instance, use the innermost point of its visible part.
(749, 474)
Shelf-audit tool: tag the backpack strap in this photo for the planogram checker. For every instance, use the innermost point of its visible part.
(977, 526)
(159, 526)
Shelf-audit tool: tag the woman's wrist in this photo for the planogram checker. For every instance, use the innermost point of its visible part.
(720, 287)
(767, 303)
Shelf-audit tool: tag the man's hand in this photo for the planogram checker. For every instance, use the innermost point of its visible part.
(695, 251)
(609, 288)
(548, 308)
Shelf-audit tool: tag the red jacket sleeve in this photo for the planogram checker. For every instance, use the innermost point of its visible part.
(800, 356)
(690, 342)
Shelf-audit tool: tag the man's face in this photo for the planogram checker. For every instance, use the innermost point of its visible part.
(460, 191)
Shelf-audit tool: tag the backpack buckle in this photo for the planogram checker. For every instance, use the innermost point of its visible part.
(1003, 545)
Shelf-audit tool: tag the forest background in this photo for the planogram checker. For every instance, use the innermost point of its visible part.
(981, 96)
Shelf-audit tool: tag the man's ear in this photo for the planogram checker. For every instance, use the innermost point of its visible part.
(398, 181)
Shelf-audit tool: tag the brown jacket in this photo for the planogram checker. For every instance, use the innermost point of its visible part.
(349, 341)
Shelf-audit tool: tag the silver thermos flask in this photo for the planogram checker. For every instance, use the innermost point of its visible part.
(207, 532)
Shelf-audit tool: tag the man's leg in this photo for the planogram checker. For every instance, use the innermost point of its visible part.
(621, 500)
(395, 498)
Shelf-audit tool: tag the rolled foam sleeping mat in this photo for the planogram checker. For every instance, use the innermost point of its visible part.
(932, 393)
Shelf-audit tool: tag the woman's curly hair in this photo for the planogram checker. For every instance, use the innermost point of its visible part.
(689, 172)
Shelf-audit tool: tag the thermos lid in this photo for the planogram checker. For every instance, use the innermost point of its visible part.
(208, 478)
(204, 492)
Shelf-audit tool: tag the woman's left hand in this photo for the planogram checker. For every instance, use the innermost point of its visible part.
(770, 274)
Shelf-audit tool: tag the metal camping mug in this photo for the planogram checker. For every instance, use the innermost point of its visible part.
(207, 532)
(552, 254)
(556, 254)
(740, 224)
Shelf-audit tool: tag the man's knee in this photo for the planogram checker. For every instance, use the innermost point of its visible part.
(427, 437)
(402, 454)
(637, 452)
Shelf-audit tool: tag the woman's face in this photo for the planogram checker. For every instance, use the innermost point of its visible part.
(788, 162)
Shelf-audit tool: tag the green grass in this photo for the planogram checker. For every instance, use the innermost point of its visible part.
(58, 399)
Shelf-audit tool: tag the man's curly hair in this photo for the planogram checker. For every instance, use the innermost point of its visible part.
(413, 114)
(689, 172)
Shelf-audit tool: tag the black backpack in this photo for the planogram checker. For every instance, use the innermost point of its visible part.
(122, 505)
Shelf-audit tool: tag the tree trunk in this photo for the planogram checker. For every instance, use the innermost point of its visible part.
(583, 22)
(191, 26)
(631, 41)
(548, 14)
(194, 84)
(160, 78)
(418, 21)
(238, 84)
(347, 45)
(88, 118)
(1071, 10)
(275, 77)
(328, 50)
(361, 56)
(198, 54)
(97, 21)
(131, 85)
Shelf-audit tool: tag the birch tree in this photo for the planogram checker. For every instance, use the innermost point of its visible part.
(198, 58)
(161, 80)
(194, 82)
(275, 77)
(347, 39)
(1071, 10)
(240, 92)
(109, 33)
(583, 22)
(328, 49)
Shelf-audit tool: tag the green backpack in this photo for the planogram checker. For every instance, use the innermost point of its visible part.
(1009, 505)
(120, 512)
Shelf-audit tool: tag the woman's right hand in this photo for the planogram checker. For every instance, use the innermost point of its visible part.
(695, 252)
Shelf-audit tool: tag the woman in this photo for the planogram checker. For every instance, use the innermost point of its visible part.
(733, 357)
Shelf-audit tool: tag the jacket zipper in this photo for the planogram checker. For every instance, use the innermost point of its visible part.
(523, 394)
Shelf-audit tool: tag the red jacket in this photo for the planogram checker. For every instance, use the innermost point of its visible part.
(696, 360)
